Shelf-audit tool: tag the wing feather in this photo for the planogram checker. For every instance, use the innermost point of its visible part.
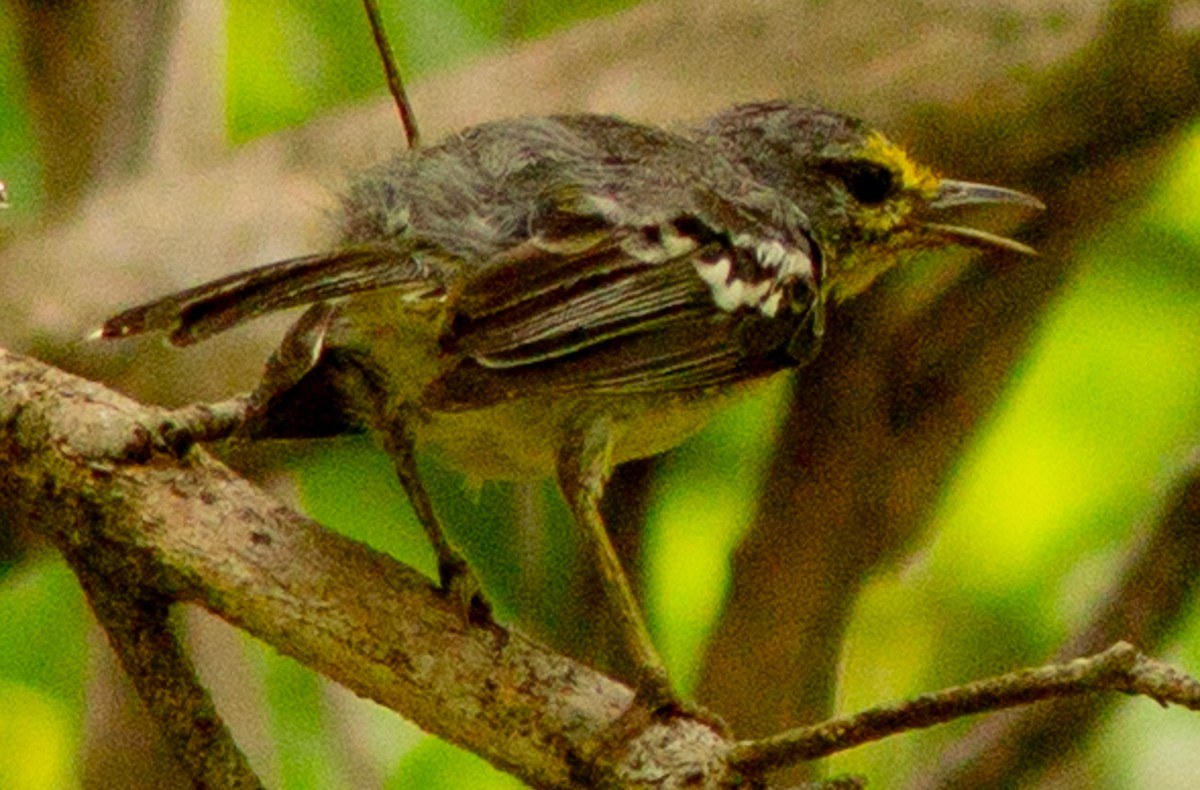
(560, 323)
(205, 310)
(618, 317)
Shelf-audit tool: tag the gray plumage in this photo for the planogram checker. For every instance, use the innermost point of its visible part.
(584, 255)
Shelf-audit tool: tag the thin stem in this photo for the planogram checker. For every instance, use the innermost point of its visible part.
(395, 83)
(1120, 668)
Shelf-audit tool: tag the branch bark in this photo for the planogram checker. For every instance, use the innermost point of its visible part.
(138, 627)
(1120, 668)
(147, 523)
(91, 469)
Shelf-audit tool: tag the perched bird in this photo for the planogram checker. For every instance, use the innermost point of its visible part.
(557, 295)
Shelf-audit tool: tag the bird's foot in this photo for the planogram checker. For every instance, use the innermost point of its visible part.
(655, 694)
(461, 586)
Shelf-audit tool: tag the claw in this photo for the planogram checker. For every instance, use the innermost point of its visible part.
(459, 584)
(655, 693)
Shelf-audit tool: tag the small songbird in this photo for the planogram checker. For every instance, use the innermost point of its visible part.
(557, 295)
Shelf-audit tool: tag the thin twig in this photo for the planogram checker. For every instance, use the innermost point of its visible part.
(1156, 588)
(395, 83)
(1120, 668)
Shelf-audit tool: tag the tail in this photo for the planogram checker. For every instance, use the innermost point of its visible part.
(201, 312)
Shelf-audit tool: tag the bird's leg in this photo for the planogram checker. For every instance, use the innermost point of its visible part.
(454, 574)
(584, 466)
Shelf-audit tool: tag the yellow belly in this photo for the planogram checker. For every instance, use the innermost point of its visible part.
(519, 439)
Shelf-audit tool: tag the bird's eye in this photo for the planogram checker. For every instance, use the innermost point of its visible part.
(867, 182)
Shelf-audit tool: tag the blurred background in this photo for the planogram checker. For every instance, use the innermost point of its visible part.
(972, 477)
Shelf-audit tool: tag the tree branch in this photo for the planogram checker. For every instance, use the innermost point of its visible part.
(145, 527)
(1143, 606)
(90, 469)
(82, 60)
(1120, 668)
(137, 624)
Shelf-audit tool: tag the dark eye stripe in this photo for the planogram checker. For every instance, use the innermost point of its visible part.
(870, 183)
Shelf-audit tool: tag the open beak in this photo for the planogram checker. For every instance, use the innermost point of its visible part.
(953, 193)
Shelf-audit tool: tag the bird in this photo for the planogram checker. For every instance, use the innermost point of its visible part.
(552, 296)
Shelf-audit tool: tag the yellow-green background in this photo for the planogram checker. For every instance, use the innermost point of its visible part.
(1104, 409)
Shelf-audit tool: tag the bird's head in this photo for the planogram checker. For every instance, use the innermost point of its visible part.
(870, 204)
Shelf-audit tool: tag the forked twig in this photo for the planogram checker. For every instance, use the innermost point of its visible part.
(395, 83)
(1119, 668)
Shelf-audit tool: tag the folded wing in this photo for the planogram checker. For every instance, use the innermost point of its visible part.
(198, 313)
(636, 310)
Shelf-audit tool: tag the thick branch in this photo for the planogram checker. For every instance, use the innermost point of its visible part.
(83, 60)
(88, 467)
(144, 528)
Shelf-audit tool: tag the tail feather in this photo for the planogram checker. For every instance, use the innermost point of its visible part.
(205, 310)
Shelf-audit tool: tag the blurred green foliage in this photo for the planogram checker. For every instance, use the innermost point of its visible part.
(1104, 409)
(289, 59)
(18, 157)
(43, 671)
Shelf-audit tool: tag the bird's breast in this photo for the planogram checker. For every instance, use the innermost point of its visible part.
(517, 439)
(520, 440)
